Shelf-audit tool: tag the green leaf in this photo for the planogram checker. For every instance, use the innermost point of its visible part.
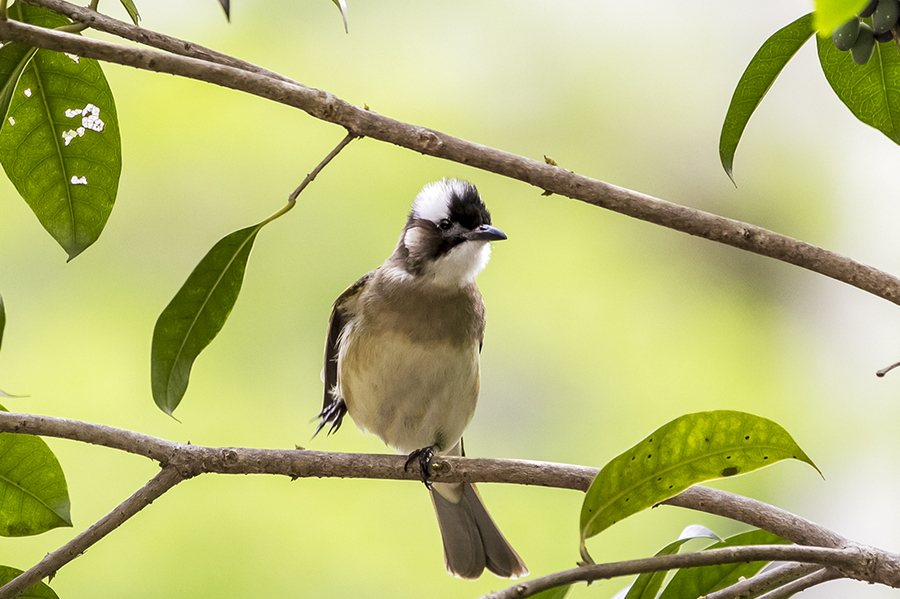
(38, 591)
(831, 13)
(59, 143)
(13, 60)
(697, 582)
(647, 585)
(871, 91)
(33, 494)
(132, 11)
(196, 315)
(689, 450)
(342, 6)
(554, 593)
(758, 77)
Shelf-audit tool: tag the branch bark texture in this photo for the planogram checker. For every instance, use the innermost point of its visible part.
(186, 60)
(815, 544)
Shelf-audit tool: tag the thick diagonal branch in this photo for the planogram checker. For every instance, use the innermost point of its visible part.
(365, 123)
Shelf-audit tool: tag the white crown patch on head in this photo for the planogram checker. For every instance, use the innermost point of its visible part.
(433, 202)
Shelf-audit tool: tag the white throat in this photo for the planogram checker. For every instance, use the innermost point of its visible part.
(459, 266)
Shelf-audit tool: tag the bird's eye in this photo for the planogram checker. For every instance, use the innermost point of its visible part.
(445, 224)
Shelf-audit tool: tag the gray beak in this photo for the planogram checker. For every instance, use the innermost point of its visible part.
(486, 233)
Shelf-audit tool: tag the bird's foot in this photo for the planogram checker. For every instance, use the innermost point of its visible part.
(423, 457)
(332, 413)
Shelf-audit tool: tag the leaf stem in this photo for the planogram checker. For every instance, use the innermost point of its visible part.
(292, 199)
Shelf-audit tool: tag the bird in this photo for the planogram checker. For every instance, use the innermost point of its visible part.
(402, 358)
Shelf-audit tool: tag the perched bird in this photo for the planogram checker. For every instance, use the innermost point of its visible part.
(402, 358)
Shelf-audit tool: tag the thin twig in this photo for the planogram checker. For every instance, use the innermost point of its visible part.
(843, 558)
(311, 176)
(807, 582)
(765, 581)
(101, 22)
(327, 107)
(162, 482)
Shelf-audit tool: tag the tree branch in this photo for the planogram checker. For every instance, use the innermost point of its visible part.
(184, 461)
(365, 123)
(162, 482)
(761, 515)
(192, 460)
(101, 22)
(766, 581)
(842, 559)
(807, 582)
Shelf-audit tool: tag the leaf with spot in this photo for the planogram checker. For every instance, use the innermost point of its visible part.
(196, 315)
(39, 591)
(13, 60)
(34, 497)
(59, 140)
(871, 91)
(758, 77)
(698, 582)
(691, 449)
(647, 585)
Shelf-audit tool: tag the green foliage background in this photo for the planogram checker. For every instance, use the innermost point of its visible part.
(600, 329)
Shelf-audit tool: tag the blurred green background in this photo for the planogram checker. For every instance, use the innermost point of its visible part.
(600, 328)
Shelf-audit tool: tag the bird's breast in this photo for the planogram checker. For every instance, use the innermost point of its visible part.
(409, 371)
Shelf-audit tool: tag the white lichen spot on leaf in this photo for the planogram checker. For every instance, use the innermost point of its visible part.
(90, 119)
(71, 134)
(27, 92)
(74, 57)
(12, 121)
(79, 180)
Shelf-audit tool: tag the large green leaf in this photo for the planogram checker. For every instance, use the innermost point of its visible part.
(831, 13)
(59, 142)
(33, 494)
(758, 77)
(196, 315)
(647, 585)
(38, 591)
(871, 91)
(689, 450)
(697, 582)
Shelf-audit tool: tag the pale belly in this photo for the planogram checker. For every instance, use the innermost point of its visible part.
(410, 395)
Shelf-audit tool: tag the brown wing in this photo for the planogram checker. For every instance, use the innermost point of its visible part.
(333, 406)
